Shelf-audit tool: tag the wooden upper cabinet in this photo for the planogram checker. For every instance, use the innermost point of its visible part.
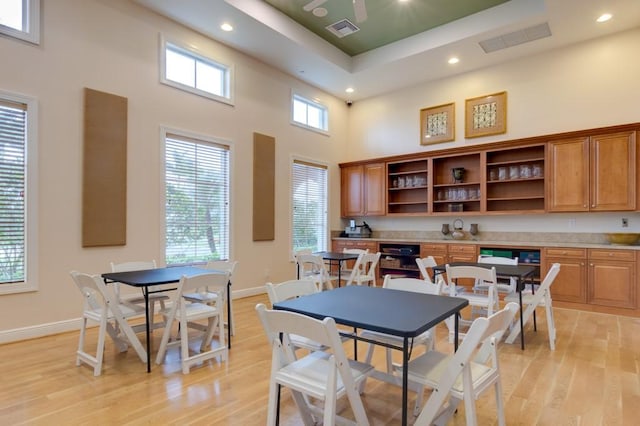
(374, 189)
(362, 190)
(352, 191)
(596, 173)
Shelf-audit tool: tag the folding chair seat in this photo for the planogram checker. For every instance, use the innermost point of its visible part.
(541, 297)
(203, 295)
(186, 313)
(325, 376)
(463, 375)
(101, 306)
(159, 298)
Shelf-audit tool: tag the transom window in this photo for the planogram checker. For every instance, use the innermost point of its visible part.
(196, 199)
(309, 201)
(187, 70)
(21, 19)
(309, 114)
(18, 195)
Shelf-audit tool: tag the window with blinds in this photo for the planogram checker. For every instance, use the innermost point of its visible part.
(309, 201)
(196, 200)
(13, 120)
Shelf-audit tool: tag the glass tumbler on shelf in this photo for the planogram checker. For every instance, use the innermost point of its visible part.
(537, 170)
(525, 171)
(502, 173)
(514, 172)
(493, 174)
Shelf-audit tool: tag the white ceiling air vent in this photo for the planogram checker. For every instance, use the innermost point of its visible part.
(515, 38)
(343, 28)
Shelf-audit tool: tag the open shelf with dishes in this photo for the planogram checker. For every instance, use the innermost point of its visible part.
(515, 179)
(456, 184)
(407, 187)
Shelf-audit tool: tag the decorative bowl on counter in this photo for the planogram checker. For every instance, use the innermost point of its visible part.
(622, 238)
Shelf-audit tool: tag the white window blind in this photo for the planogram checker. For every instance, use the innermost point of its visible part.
(197, 200)
(13, 118)
(309, 200)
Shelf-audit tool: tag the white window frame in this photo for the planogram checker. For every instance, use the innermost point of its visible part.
(31, 201)
(198, 138)
(323, 244)
(324, 129)
(30, 23)
(228, 70)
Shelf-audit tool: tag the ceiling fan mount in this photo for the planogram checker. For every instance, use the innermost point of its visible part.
(359, 8)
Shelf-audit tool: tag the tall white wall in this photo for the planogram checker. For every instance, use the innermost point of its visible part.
(589, 85)
(112, 46)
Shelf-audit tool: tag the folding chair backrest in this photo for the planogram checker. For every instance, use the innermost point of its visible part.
(369, 263)
(497, 260)
(357, 270)
(487, 275)
(95, 293)
(290, 289)
(423, 264)
(223, 265)
(214, 282)
(310, 263)
(411, 284)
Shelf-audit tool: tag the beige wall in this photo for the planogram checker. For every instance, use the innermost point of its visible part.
(589, 85)
(112, 46)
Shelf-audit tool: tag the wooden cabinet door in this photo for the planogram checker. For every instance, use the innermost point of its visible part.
(613, 172)
(568, 173)
(612, 284)
(374, 189)
(352, 191)
(571, 283)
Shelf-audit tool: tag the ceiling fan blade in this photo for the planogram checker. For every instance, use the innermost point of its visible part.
(312, 5)
(360, 10)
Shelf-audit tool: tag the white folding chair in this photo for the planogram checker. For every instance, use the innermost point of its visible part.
(345, 268)
(289, 290)
(541, 297)
(154, 298)
(366, 274)
(487, 302)
(325, 376)
(312, 266)
(203, 295)
(463, 375)
(426, 339)
(101, 306)
(498, 260)
(186, 313)
(423, 265)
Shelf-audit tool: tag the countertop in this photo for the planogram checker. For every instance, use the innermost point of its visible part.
(553, 240)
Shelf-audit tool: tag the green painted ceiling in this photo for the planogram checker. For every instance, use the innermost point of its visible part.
(387, 20)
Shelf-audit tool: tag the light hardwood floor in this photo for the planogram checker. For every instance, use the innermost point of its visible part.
(591, 379)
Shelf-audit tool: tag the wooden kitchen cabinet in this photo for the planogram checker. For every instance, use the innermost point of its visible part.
(450, 252)
(571, 283)
(612, 278)
(362, 190)
(450, 196)
(340, 245)
(594, 173)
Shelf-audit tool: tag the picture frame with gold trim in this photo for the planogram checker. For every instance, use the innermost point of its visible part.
(437, 124)
(486, 115)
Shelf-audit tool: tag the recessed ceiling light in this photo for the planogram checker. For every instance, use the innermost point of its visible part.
(226, 27)
(604, 17)
(453, 60)
(320, 12)
(350, 90)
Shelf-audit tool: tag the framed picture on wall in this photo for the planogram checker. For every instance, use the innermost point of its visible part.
(486, 115)
(437, 124)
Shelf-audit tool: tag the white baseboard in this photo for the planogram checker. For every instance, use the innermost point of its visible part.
(41, 330)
